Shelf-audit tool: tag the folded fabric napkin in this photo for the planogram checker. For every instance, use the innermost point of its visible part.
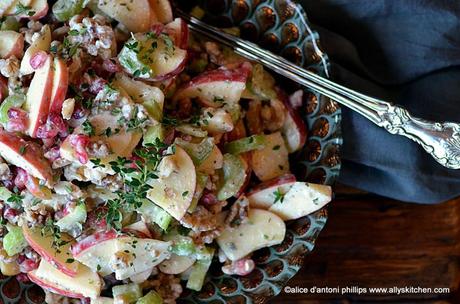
(407, 52)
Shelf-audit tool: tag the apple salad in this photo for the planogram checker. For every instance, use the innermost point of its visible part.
(133, 153)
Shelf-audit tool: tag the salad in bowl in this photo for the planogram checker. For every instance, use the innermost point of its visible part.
(133, 153)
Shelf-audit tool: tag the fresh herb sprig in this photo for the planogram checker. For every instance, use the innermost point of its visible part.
(135, 174)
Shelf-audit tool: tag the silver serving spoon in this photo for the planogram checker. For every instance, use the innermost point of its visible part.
(441, 140)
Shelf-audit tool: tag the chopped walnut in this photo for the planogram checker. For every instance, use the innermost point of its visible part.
(5, 172)
(238, 212)
(10, 67)
(112, 182)
(94, 35)
(67, 108)
(36, 214)
(121, 259)
(273, 115)
(269, 116)
(167, 286)
(33, 31)
(97, 149)
(200, 220)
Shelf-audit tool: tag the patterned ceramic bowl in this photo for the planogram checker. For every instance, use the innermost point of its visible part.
(282, 27)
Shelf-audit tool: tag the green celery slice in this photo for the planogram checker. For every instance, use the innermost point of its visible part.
(246, 144)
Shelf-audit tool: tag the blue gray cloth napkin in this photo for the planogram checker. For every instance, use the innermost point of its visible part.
(405, 51)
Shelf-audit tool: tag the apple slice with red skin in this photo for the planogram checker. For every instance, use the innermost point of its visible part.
(92, 240)
(42, 43)
(86, 284)
(39, 96)
(262, 196)
(43, 245)
(216, 87)
(60, 85)
(12, 44)
(86, 249)
(162, 10)
(294, 129)
(38, 7)
(178, 31)
(26, 155)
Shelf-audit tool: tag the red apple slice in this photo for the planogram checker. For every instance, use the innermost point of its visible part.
(42, 43)
(25, 155)
(39, 96)
(263, 195)
(135, 15)
(88, 251)
(162, 9)
(12, 44)
(272, 160)
(90, 241)
(216, 87)
(86, 284)
(178, 31)
(43, 245)
(38, 9)
(294, 129)
(142, 254)
(60, 84)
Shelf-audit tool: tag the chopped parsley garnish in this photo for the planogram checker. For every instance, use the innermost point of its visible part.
(22, 9)
(88, 128)
(135, 175)
(73, 32)
(279, 196)
(15, 198)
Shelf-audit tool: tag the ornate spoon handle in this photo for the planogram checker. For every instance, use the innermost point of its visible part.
(441, 140)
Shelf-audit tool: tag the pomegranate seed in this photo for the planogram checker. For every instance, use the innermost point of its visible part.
(54, 125)
(21, 258)
(28, 265)
(80, 142)
(38, 59)
(21, 178)
(53, 153)
(240, 267)
(111, 65)
(79, 112)
(10, 214)
(17, 120)
(208, 199)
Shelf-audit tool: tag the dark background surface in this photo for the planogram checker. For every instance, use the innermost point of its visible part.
(407, 52)
(370, 241)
